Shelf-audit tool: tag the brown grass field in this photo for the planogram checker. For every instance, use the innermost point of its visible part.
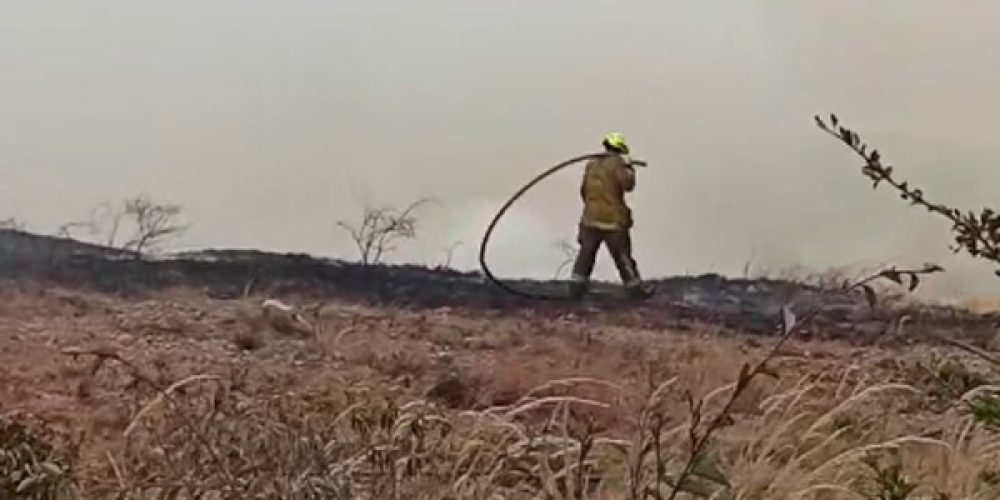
(104, 397)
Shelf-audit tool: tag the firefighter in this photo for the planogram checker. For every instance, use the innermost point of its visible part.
(607, 219)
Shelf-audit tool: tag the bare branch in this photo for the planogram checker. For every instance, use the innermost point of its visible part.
(977, 234)
(449, 253)
(12, 223)
(380, 228)
(569, 252)
(154, 222)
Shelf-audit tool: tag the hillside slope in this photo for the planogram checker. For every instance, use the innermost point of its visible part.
(746, 305)
(93, 339)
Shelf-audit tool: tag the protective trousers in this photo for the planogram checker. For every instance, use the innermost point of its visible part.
(619, 244)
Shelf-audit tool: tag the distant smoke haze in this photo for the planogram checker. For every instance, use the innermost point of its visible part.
(270, 120)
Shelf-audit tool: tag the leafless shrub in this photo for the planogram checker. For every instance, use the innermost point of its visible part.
(380, 228)
(449, 254)
(569, 251)
(12, 223)
(153, 223)
(66, 230)
(103, 218)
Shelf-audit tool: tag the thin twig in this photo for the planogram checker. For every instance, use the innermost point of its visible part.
(116, 470)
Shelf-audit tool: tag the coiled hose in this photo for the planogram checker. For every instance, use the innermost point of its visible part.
(503, 210)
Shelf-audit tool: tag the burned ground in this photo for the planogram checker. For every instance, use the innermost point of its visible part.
(743, 305)
(93, 339)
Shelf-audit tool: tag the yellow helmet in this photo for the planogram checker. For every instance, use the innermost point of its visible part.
(616, 141)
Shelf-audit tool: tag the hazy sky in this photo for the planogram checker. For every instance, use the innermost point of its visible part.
(269, 120)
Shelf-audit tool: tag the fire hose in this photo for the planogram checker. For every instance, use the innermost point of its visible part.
(503, 210)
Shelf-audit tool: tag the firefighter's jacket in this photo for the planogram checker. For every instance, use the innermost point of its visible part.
(605, 182)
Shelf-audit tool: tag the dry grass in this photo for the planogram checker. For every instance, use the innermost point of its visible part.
(823, 437)
(35, 461)
(391, 408)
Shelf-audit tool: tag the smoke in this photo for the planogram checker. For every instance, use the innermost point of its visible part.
(269, 121)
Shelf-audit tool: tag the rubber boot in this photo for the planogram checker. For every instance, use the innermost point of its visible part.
(639, 292)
